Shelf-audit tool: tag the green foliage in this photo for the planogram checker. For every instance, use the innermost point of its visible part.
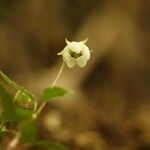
(7, 104)
(47, 145)
(22, 113)
(13, 111)
(28, 131)
(53, 92)
(10, 111)
(17, 114)
(22, 93)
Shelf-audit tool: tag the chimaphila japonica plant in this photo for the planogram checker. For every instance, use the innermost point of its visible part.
(19, 108)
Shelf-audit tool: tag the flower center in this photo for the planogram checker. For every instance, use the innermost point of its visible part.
(75, 55)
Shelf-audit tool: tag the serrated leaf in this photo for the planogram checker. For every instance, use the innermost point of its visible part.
(28, 131)
(53, 92)
(47, 145)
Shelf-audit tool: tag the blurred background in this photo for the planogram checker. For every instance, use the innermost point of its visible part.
(109, 108)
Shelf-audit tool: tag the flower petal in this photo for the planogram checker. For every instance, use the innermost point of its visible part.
(85, 40)
(81, 61)
(63, 51)
(68, 59)
(86, 51)
(70, 63)
(75, 47)
(75, 53)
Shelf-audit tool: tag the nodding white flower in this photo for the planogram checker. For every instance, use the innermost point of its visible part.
(75, 53)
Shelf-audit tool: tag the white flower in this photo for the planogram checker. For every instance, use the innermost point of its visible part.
(75, 53)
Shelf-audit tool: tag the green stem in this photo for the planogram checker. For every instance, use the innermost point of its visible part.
(53, 84)
(8, 81)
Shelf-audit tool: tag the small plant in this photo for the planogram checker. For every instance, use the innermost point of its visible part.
(21, 110)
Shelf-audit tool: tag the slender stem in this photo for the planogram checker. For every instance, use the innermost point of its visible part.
(35, 106)
(16, 139)
(53, 84)
(13, 144)
(58, 75)
(8, 81)
(40, 109)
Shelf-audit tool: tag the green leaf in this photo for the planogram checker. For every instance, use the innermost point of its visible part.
(24, 99)
(10, 111)
(28, 131)
(53, 92)
(7, 104)
(47, 145)
(17, 114)
(27, 95)
(22, 114)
